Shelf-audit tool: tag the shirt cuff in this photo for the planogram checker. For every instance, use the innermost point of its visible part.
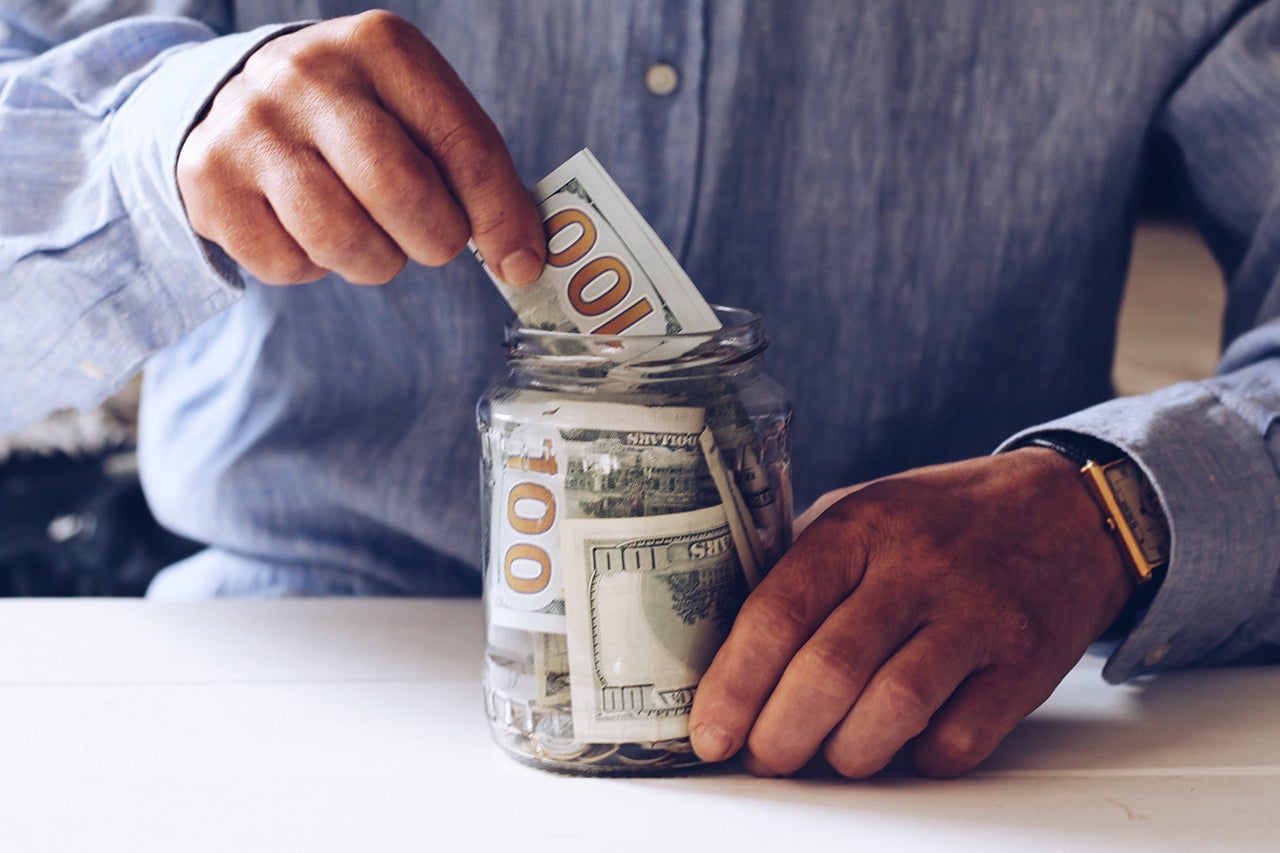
(192, 277)
(1216, 481)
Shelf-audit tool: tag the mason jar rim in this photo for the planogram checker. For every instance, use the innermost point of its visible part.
(740, 338)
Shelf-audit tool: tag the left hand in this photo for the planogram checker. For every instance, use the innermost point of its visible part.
(933, 610)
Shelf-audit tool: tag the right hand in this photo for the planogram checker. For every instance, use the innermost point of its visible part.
(350, 146)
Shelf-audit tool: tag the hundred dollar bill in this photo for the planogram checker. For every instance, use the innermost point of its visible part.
(551, 654)
(607, 270)
(649, 601)
(552, 460)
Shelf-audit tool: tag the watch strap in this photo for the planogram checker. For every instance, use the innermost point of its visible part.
(1077, 447)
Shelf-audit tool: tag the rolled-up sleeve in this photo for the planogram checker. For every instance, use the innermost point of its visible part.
(1211, 447)
(99, 267)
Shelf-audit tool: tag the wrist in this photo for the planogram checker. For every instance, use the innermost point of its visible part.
(1130, 512)
(145, 141)
(1130, 508)
(1095, 553)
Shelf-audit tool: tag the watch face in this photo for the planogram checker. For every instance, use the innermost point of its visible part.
(1141, 508)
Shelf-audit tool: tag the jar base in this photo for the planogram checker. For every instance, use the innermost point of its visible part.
(542, 737)
(614, 759)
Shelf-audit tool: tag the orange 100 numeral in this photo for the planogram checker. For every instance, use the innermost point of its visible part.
(532, 556)
(591, 272)
(542, 464)
(557, 222)
(525, 552)
(534, 493)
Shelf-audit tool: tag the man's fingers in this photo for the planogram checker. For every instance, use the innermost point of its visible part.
(776, 620)
(995, 621)
(396, 183)
(824, 679)
(257, 240)
(900, 700)
(444, 119)
(328, 223)
(973, 722)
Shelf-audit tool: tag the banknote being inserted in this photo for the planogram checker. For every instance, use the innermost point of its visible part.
(608, 272)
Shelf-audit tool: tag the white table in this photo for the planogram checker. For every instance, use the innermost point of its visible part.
(358, 725)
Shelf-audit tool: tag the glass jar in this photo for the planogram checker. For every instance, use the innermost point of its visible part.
(634, 489)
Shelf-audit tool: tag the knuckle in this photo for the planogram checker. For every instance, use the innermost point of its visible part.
(200, 183)
(251, 113)
(327, 238)
(355, 250)
(207, 162)
(773, 620)
(337, 246)
(861, 526)
(191, 172)
(374, 23)
(380, 30)
(469, 154)
(907, 699)
(835, 673)
(390, 187)
(300, 70)
(488, 224)
(284, 70)
(284, 266)
(196, 156)
(398, 195)
(1018, 637)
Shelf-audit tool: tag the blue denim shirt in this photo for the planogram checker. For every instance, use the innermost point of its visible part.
(930, 203)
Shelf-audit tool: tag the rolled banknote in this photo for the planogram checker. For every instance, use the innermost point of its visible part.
(737, 514)
(648, 602)
(739, 444)
(551, 668)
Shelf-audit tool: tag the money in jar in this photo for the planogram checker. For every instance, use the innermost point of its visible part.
(634, 489)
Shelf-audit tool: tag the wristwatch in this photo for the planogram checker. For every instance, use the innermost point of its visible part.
(1130, 508)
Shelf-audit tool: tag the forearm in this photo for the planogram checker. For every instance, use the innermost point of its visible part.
(1209, 447)
(98, 264)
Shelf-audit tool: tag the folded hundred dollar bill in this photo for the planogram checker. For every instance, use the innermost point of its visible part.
(607, 270)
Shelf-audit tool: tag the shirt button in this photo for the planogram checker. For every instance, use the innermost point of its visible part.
(1157, 654)
(93, 371)
(661, 79)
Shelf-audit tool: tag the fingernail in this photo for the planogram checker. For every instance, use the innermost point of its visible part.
(711, 742)
(521, 267)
